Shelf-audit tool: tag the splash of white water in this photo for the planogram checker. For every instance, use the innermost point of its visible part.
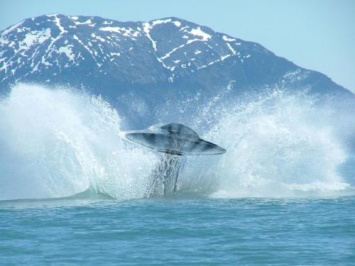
(278, 145)
(56, 143)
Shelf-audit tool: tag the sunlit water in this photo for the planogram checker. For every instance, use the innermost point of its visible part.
(72, 191)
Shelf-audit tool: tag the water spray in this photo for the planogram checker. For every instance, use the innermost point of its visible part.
(174, 141)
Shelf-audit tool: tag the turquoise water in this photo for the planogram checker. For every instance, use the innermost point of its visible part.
(72, 192)
(178, 231)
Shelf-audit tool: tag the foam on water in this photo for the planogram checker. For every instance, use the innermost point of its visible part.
(57, 143)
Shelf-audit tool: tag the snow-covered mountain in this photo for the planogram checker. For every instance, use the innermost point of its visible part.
(166, 58)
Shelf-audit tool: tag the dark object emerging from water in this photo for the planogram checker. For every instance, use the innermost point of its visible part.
(173, 140)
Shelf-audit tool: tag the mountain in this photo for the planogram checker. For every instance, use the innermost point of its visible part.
(156, 61)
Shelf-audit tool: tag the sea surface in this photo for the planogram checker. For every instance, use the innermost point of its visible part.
(72, 192)
(178, 231)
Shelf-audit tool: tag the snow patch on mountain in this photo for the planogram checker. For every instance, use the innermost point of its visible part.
(165, 21)
(231, 49)
(198, 32)
(228, 39)
(124, 31)
(67, 50)
(35, 37)
(58, 23)
(147, 27)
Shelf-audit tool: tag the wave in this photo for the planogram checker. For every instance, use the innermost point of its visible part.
(57, 142)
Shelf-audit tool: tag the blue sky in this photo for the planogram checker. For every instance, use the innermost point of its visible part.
(314, 34)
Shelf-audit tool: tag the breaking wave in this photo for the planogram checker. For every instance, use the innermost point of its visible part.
(58, 143)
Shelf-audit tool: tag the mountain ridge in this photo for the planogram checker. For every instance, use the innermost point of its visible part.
(169, 56)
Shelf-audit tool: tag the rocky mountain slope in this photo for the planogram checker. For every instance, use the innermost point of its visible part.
(154, 61)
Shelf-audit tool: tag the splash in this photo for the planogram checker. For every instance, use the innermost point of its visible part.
(278, 145)
(57, 143)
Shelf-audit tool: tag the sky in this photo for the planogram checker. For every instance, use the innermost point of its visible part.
(314, 34)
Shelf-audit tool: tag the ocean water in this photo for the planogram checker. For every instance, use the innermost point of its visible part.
(72, 192)
(178, 231)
